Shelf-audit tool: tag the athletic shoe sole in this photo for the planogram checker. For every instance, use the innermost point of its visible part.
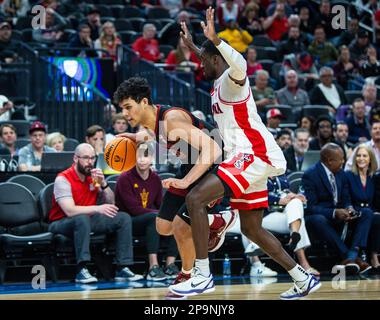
(313, 289)
(193, 292)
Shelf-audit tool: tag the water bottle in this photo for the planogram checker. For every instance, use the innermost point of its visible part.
(226, 266)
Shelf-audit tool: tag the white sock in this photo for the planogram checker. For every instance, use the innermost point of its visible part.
(187, 271)
(204, 266)
(210, 219)
(257, 264)
(298, 273)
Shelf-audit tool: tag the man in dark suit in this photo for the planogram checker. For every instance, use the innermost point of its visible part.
(295, 153)
(329, 209)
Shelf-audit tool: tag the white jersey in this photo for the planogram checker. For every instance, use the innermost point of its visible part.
(240, 125)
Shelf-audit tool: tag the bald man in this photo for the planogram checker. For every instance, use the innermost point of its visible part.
(330, 211)
(75, 214)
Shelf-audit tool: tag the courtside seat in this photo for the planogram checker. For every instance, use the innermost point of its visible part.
(25, 237)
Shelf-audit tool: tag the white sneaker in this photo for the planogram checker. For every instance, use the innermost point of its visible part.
(253, 250)
(84, 276)
(262, 271)
(197, 284)
(301, 289)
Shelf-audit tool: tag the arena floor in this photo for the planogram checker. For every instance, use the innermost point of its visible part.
(235, 288)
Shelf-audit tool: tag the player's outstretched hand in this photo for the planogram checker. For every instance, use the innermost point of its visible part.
(209, 27)
(129, 135)
(175, 183)
(186, 36)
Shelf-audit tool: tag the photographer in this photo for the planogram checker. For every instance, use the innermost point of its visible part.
(362, 190)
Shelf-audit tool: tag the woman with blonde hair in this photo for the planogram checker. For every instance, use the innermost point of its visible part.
(56, 140)
(108, 41)
(362, 189)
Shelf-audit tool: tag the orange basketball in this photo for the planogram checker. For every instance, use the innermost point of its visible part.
(120, 154)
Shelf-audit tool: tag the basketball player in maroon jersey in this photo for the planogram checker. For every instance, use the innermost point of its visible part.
(170, 126)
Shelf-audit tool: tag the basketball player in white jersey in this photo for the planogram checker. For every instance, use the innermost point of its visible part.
(252, 156)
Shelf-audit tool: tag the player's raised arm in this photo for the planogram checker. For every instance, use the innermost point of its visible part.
(187, 39)
(237, 63)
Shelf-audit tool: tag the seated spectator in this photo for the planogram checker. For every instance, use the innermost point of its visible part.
(329, 209)
(362, 190)
(55, 25)
(284, 139)
(358, 47)
(341, 136)
(303, 64)
(293, 44)
(292, 95)
(307, 122)
(262, 93)
(376, 26)
(369, 92)
(15, 9)
(185, 60)
(119, 125)
(96, 137)
(250, 19)
(94, 23)
(306, 21)
(83, 41)
(56, 140)
(8, 136)
(324, 129)
(346, 68)
(108, 41)
(274, 117)
(374, 144)
(109, 112)
(30, 155)
(325, 17)
(371, 66)
(236, 37)
(6, 41)
(75, 214)
(147, 46)
(294, 155)
(358, 125)
(346, 36)
(227, 11)
(252, 64)
(170, 34)
(277, 24)
(324, 52)
(327, 93)
(139, 192)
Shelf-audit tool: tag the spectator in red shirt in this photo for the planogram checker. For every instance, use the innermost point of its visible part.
(185, 60)
(139, 192)
(277, 24)
(147, 46)
(252, 64)
(75, 214)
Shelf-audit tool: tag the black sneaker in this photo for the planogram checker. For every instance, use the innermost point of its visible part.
(171, 271)
(156, 274)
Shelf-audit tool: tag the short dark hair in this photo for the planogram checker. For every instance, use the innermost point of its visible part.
(210, 48)
(83, 26)
(283, 132)
(323, 118)
(91, 131)
(135, 88)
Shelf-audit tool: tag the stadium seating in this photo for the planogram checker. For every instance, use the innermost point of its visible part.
(33, 184)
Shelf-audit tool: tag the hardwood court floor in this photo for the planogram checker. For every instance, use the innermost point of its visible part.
(356, 289)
